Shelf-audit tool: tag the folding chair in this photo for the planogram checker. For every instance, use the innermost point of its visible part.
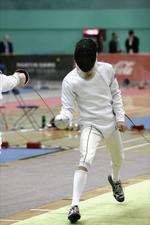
(28, 111)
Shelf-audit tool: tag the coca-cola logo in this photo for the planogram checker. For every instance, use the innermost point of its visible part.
(124, 67)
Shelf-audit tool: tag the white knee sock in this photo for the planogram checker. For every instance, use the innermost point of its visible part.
(115, 173)
(80, 178)
(115, 176)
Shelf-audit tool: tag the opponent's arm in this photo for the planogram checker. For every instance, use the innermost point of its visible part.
(18, 79)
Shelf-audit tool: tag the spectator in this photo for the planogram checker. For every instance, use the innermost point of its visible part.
(132, 43)
(6, 46)
(114, 44)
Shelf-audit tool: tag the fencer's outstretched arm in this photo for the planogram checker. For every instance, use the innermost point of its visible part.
(18, 79)
(68, 100)
(8, 82)
(117, 100)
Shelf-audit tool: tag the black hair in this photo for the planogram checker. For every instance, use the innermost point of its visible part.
(85, 54)
(131, 32)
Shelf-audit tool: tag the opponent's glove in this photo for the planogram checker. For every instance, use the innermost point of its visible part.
(61, 122)
(23, 77)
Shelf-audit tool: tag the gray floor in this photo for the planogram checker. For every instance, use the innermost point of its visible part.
(30, 183)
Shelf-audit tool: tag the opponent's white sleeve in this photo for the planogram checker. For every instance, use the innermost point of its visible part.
(67, 99)
(8, 82)
(117, 101)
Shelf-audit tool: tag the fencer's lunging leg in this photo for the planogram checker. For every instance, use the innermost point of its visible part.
(89, 141)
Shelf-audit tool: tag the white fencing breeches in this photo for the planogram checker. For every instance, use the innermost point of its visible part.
(89, 142)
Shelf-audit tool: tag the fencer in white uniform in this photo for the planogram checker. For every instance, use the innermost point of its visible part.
(7, 83)
(94, 87)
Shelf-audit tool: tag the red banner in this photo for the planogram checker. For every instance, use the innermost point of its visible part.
(135, 67)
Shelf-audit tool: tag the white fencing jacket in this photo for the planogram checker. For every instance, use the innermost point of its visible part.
(98, 99)
(7, 83)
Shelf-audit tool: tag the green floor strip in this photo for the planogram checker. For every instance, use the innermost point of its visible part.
(104, 210)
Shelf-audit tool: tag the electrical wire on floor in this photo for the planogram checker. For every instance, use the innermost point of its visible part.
(131, 120)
